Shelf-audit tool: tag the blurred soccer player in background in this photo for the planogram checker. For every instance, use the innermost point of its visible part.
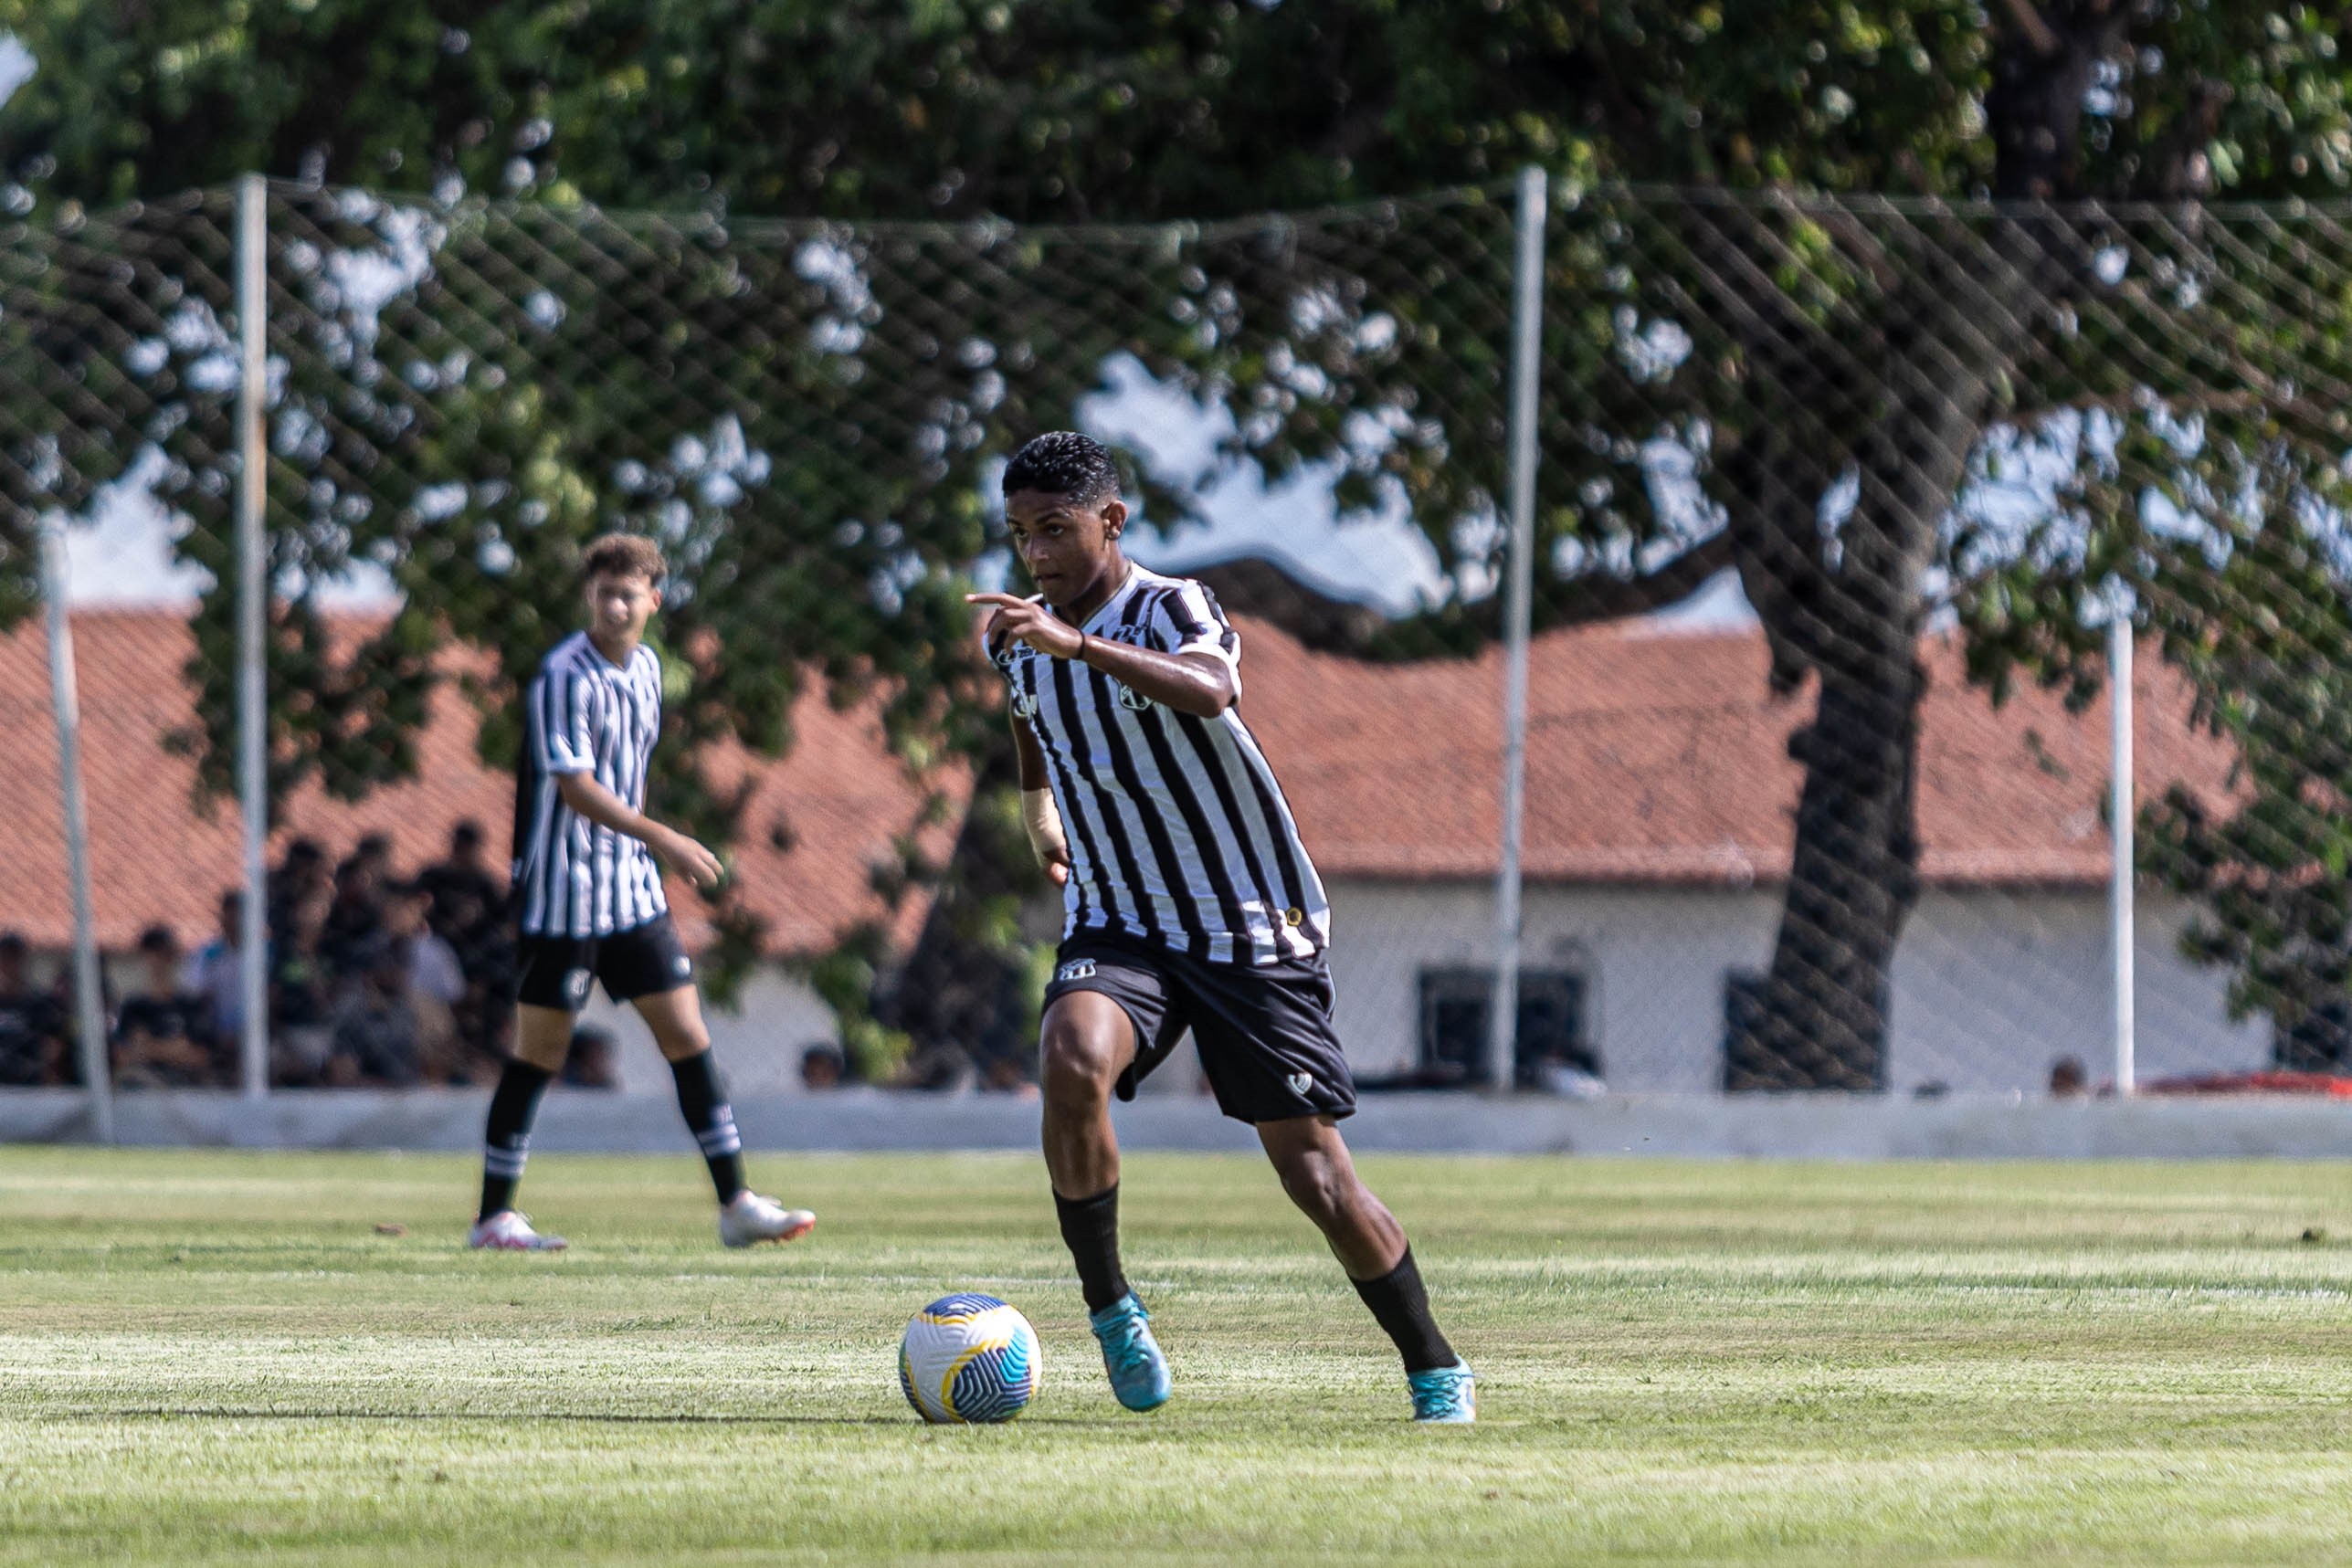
(590, 904)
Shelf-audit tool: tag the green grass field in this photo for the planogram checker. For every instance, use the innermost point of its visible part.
(213, 1357)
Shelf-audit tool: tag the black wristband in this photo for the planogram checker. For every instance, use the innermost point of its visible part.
(1080, 655)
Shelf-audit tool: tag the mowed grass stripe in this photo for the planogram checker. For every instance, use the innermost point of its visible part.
(216, 1357)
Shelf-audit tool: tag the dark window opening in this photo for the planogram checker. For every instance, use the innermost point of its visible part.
(1456, 1005)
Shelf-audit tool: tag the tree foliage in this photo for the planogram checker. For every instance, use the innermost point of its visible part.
(1829, 355)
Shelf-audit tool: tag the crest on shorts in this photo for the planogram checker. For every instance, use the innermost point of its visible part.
(1081, 969)
(683, 965)
(575, 986)
(1301, 1082)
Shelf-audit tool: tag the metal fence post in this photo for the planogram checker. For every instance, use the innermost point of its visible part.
(1526, 335)
(2122, 808)
(65, 705)
(253, 601)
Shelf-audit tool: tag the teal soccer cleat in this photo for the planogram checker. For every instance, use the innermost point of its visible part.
(1444, 1395)
(1139, 1372)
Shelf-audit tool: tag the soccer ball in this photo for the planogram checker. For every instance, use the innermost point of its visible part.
(968, 1358)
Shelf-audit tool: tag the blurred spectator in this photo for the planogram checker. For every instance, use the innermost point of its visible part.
(377, 1040)
(160, 1038)
(301, 995)
(484, 944)
(2069, 1079)
(1005, 1075)
(940, 1068)
(433, 985)
(594, 1061)
(216, 975)
(469, 907)
(354, 915)
(375, 849)
(433, 968)
(821, 1065)
(463, 891)
(301, 875)
(32, 1025)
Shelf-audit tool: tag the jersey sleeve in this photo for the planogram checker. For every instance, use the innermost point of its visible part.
(1188, 619)
(564, 721)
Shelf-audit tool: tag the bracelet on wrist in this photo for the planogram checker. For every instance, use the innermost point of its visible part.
(1080, 655)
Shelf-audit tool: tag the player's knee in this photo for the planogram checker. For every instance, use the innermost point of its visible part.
(1074, 1066)
(679, 1041)
(1318, 1186)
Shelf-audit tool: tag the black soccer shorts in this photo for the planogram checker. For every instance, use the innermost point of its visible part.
(643, 960)
(1264, 1031)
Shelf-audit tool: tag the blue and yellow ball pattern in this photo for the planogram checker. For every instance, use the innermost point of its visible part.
(969, 1358)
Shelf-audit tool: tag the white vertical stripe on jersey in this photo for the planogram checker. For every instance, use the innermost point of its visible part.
(579, 878)
(1180, 832)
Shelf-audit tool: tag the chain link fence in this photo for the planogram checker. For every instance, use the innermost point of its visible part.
(1837, 507)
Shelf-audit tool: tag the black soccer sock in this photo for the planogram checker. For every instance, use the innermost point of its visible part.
(1402, 1305)
(1089, 1226)
(712, 1121)
(506, 1142)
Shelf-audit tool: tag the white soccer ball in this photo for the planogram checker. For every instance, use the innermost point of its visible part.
(968, 1358)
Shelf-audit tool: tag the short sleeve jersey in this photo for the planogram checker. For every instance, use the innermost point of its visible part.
(584, 714)
(1179, 832)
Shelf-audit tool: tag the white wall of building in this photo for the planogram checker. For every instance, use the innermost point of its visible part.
(1989, 987)
(758, 1042)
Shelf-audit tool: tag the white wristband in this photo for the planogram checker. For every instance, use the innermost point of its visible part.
(1043, 820)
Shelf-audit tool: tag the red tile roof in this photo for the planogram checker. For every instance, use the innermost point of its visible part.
(1653, 757)
(1658, 756)
(154, 856)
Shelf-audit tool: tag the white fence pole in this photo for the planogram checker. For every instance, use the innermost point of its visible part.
(1526, 346)
(252, 612)
(65, 704)
(2122, 808)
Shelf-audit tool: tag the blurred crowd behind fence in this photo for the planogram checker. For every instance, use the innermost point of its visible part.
(1840, 510)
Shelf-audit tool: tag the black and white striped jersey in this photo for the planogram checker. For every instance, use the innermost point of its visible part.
(1178, 832)
(584, 714)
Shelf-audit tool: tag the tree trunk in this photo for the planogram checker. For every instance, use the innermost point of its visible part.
(1821, 1021)
(1847, 606)
(1942, 341)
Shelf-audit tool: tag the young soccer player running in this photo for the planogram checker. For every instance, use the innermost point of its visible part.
(589, 899)
(1191, 904)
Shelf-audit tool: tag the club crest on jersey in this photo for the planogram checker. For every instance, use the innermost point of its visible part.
(1082, 969)
(1133, 700)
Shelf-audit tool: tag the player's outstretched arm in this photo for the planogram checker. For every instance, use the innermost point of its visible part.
(1198, 684)
(600, 806)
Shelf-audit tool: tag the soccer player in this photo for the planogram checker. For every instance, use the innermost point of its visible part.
(1191, 903)
(589, 903)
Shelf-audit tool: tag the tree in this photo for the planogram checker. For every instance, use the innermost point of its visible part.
(1828, 354)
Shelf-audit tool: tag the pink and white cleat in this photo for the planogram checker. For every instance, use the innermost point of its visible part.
(751, 1218)
(507, 1231)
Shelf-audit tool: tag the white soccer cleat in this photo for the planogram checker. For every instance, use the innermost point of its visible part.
(751, 1219)
(507, 1231)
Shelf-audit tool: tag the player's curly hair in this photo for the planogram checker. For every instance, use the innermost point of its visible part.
(624, 555)
(1064, 463)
